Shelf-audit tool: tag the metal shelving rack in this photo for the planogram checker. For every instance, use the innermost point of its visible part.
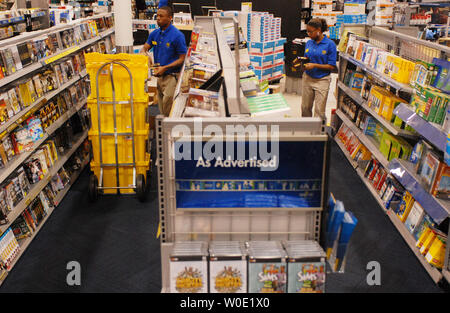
(11, 124)
(231, 223)
(412, 49)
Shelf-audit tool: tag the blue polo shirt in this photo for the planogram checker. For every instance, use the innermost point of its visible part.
(163, 3)
(167, 46)
(323, 52)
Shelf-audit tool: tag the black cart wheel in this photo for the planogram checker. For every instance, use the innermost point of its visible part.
(93, 191)
(141, 189)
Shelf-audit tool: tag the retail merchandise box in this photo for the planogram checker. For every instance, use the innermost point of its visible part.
(278, 71)
(268, 105)
(261, 61)
(278, 58)
(227, 267)
(267, 73)
(322, 6)
(267, 267)
(355, 7)
(279, 45)
(261, 47)
(258, 73)
(189, 267)
(306, 266)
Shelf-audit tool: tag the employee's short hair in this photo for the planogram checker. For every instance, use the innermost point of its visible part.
(318, 23)
(167, 9)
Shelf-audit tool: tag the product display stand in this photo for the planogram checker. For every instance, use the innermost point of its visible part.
(192, 211)
(17, 119)
(446, 269)
(411, 49)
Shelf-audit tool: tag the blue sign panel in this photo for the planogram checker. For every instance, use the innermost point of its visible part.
(289, 178)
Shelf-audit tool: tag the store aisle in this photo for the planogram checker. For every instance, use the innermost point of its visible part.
(375, 239)
(115, 242)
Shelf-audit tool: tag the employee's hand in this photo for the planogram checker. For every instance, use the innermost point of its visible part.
(159, 71)
(309, 66)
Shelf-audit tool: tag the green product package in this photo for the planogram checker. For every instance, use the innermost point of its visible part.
(442, 110)
(386, 144)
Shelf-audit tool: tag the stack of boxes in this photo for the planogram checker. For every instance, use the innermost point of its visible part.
(266, 47)
(384, 12)
(324, 9)
(354, 13)
(267, 58)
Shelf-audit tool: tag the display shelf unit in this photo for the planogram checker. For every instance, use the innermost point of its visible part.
(373, 191)
(446, 269)
(366, 140)
(24, 243)
(352, 162)
(37, 33)
(376, 74)
(53, 58)
(234, 220)
(404, 172)
(13, 165)
(16, 118)
(363, 103)
(12, 20)
(37, 188)
(411, 49)
(435, 274)
(430, 132)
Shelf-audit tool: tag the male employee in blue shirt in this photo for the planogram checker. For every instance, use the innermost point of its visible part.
(169, 51)
(321, 52)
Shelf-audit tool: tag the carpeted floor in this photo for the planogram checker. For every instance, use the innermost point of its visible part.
(115, 242)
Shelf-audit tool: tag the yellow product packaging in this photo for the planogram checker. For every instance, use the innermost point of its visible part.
(376, 98)
(436, 253)
(428, 242)
(423, 237)
(405, 206)
(389, 104)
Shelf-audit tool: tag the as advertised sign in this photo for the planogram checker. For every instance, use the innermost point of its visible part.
(209, 175)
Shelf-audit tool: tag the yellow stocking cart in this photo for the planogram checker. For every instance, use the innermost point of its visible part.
(120, 149)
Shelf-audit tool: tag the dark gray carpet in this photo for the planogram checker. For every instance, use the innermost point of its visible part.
(115, 242)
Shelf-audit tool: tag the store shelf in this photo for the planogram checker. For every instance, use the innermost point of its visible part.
(432, 271)
(360, 172)
(377, 75)
(446, 275)
(373, 191)
(37, 188)
(363, 103)
(60, 27)
(184, 27)
(365, 140)
(12, 20)
(44, 98)
(353, 163)
(19, 159)
(436, 136)
(12, 165)
(50, 59)
(24, 243)
(404, 172)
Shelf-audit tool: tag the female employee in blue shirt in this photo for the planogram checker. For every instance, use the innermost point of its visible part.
(321, 52)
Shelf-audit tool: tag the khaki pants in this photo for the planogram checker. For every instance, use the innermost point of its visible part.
(166, 86)
(314, 90)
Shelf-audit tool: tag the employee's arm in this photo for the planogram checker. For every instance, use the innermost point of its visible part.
(145, 48)
(162, 69)
(325, 67)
